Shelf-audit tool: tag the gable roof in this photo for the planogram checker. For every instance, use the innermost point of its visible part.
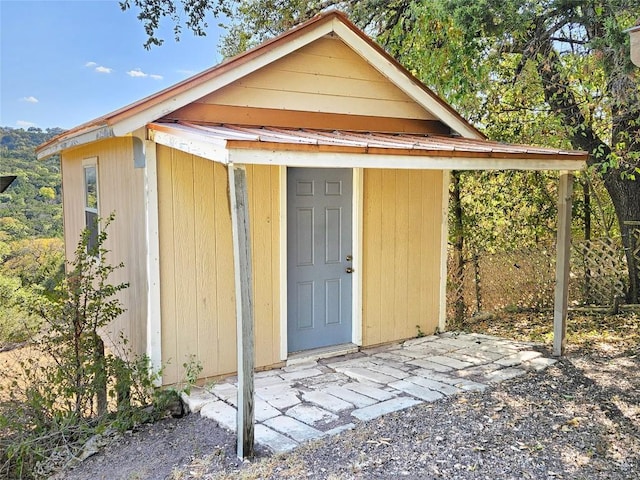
(138, 114)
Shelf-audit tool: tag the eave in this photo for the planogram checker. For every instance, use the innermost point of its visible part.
(232, 144)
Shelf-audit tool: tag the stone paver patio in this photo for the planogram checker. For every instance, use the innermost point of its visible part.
(314, 398)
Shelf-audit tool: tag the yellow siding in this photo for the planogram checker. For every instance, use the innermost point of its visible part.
(121, 191)
(196, 264)
(402, 220)
(324, 76)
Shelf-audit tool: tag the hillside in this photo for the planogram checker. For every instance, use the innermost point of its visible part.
(32, 205)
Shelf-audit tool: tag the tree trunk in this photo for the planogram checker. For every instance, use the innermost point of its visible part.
(624, 191)
(625, 195)
(458, 245)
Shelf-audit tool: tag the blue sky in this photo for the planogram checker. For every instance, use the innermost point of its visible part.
(63, 63)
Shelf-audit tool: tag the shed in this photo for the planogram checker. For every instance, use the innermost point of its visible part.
(347, 159)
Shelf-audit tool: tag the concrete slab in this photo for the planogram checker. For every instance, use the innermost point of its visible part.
(284, 401)
(311, 415)
(263, 410)
(472, 359)
(370, 391)
(470, 386)
(327, 401)
(504, 374)
(394, 372)
(270, 381)
(296, 403)
(383, 408)
(360, 373)
(339, 429)
(300, 432)
(274, 390)
(302, 365)
(443, 388)
(222, 413)
(449, 362)
(539, 363)
(197, 398)
(518, 358)
(224, 391)
(275, 441)
(299, 374)
(485, 354)
(350, 396)
(479, 371)
(429, 365)
(417, 391)
(448, 378)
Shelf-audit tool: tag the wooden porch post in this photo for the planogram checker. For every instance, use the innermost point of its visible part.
(563, 252)
(244, 308)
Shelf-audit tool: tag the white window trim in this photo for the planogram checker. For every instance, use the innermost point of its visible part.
(87, 163)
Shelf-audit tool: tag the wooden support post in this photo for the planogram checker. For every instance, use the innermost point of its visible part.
(154, 310)
(244, 308)
(563, 252)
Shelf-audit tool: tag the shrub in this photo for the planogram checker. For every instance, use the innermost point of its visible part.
(72, 388)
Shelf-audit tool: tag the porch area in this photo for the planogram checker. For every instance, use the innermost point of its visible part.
(315, 397)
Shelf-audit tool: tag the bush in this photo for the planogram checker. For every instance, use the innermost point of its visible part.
(17, 323)
(72, 388)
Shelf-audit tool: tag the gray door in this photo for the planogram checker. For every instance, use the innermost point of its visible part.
(319, 242)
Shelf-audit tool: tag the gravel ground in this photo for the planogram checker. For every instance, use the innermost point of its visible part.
(579, 419)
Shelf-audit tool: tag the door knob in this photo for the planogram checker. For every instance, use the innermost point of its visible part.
(348, 270)
(349, 258)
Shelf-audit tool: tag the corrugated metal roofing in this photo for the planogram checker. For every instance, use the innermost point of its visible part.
(236, 136)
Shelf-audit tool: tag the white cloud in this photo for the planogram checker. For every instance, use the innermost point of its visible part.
(102, 69)
(90, 64)
(136, 73)
(30, 99)
(25, 124)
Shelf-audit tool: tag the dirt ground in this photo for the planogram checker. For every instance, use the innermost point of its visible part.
(579, 419)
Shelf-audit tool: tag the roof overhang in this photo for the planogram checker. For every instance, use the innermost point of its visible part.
(232, 144)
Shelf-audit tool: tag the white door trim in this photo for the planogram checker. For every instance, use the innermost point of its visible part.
(356, 313)
(283, 263)
(358, 210)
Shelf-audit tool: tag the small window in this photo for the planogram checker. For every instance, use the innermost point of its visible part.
(91, 202)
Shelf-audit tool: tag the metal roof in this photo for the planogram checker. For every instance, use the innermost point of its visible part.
(242, 137)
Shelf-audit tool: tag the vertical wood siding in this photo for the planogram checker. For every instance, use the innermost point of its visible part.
(324, 76)
(402, 219)
(196, 264)
(120, 190)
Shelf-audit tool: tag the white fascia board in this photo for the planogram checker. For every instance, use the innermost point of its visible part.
(191, 95)
(411, 162)
(92, 135)
(193, 146)
(390, 71)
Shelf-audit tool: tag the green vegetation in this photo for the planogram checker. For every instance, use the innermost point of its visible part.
(70, 388)
(31, 248)
(31, 206)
